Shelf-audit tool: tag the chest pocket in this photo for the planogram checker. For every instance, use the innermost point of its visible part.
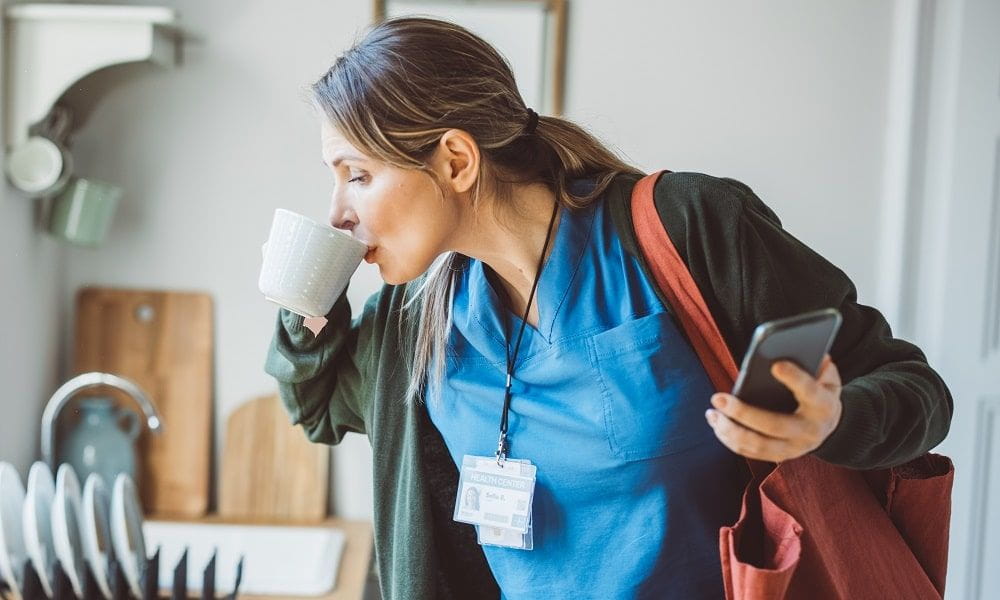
(655, 390)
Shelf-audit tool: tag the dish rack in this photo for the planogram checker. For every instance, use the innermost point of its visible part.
(120, 590)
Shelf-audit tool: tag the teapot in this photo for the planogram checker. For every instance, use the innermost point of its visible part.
(102, 441)
(85, 447)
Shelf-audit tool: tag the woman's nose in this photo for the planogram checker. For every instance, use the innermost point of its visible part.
(341, 215)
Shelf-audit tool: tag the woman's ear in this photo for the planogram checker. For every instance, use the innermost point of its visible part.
(456, 159)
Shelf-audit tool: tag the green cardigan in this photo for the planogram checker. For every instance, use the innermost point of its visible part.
(353, 375)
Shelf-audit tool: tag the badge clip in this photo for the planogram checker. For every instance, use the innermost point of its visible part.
(501, 452)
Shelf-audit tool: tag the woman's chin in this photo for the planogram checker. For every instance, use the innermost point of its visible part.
(396, 277)
(390, 281)
(395, 272)
(389, 276)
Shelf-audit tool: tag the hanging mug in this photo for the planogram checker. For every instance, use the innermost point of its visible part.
(40, 167)
(82, 213)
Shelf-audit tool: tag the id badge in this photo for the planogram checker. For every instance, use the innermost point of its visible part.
(494, 496)
(487, 535)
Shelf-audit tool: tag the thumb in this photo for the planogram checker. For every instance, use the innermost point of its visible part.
(829, 375)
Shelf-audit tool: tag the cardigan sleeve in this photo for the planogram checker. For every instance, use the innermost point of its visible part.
(321, 378)
(895, 406)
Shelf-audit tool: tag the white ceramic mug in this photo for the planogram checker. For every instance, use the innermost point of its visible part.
(307, 265)
(39, 166)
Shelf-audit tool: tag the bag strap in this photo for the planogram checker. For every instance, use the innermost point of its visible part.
(675, 281)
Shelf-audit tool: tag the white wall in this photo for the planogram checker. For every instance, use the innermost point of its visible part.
(30, 298)
(789, 97)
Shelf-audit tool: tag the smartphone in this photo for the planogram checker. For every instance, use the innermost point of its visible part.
(803, 339)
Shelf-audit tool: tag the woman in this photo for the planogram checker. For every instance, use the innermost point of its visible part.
(519, 321)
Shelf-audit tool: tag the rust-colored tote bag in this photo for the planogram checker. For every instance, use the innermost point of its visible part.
(809, 529)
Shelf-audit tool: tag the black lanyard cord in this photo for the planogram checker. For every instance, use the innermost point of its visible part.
(502, 444)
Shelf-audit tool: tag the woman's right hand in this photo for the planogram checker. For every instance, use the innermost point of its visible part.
(314, 324)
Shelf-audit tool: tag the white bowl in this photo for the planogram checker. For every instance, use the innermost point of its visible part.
(307, 265)
(96, 531)
(37, 523)
(66, 527)
(13, 554)
(126, 531)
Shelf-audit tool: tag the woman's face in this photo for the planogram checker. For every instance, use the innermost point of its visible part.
(398, 213)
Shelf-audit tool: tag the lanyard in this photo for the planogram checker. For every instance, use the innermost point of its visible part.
(502, 443)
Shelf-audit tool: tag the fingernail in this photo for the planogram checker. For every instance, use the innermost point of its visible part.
(719, 401)
(711, 416)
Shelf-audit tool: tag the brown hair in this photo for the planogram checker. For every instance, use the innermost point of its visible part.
(401, 87)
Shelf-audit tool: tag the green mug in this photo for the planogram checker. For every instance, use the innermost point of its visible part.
(82, 212)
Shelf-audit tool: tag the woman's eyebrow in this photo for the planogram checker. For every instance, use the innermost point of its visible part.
(341, 158)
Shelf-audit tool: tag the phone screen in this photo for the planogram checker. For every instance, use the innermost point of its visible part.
(803, 339)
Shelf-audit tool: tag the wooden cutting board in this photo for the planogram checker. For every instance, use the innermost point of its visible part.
(163, 342)
(270, 469)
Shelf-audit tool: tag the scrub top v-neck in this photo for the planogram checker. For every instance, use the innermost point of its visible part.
(608, 403)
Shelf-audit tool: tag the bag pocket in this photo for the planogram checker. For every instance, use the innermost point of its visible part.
(761, 552)
(654, 389)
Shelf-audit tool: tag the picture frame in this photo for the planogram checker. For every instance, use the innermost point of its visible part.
(531, 34)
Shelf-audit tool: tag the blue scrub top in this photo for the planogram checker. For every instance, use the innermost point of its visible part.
(608, 402)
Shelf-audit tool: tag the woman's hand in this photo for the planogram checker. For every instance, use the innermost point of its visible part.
(314, 324)
(772, 436)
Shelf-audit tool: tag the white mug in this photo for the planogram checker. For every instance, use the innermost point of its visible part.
(39, 166)
(307, 265)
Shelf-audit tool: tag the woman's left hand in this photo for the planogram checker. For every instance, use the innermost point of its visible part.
(772, 436)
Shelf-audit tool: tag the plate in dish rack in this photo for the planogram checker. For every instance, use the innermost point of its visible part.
(13, 554)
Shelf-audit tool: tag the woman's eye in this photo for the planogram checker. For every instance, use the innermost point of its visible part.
(360, 178)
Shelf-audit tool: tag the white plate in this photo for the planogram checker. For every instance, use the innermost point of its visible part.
(36, 520)
(126, 531)
(12, 552)
(96, 531)
(66, 526)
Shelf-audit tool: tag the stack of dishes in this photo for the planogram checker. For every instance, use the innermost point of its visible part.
(54, 521)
